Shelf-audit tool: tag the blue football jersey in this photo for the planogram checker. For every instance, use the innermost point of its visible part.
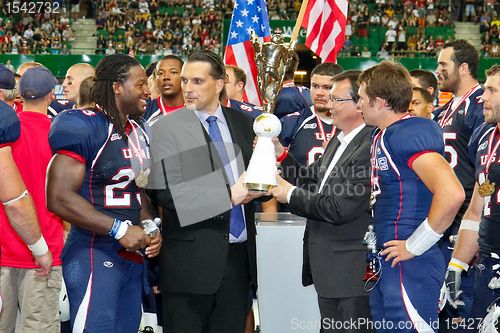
(247, 108)
(59, 105)
(402, 199)
(458, 125)
(488, 145)
(155, 110)
(292, 98)
(305, 135)
(112, 160)
(10, 127)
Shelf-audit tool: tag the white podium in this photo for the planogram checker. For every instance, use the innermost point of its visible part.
(285, 306)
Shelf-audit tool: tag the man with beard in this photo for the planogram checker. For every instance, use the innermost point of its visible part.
(479, 230)
(457, 73)
(307, 132)
(167, 80)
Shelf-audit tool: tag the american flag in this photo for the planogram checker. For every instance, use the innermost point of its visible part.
(248, 16)
(325, 22)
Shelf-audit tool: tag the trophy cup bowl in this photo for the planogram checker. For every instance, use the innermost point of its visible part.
(272, 59)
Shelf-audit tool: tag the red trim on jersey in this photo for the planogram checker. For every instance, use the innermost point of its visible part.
(74, 155)
(417, 155)
(6, 144)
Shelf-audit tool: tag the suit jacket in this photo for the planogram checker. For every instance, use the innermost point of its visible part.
(193, 257)
(338, 217)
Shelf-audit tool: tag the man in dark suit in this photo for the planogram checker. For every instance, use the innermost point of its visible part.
(334, 196)
(199, 153)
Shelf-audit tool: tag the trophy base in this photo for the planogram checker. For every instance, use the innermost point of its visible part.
(256, 187)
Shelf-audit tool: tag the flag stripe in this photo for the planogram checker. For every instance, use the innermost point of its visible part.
(325, 21)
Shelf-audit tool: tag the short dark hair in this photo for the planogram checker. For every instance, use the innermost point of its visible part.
(85, 89)
(352, 76)
(292, 68)
(167, 57)
(239, 74)
(151, 69)
(427, 79)
(426, 95)
(391, 82)
(217, 68)
(493, 70)
(464, 53)
(327, 68)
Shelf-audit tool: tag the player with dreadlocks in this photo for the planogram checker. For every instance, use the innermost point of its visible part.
(94, 182)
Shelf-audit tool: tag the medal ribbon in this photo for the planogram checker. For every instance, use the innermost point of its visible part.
(137, 149)
(162, 107)
(491, 151)
(447, 117)
(322, 129)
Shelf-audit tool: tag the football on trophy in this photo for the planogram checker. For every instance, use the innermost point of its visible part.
(267, 125)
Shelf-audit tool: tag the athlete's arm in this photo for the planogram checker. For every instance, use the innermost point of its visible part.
(467, 245)
(21, 213)
(448, 195)
(65, 176)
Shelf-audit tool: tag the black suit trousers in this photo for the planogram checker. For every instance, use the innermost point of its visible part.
(345, 315)
(222, 312)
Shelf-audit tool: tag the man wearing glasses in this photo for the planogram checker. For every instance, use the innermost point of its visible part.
(334, 196)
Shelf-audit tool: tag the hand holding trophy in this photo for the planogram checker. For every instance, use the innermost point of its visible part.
(272, 60)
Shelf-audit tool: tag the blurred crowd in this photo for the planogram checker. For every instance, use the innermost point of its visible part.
(35, 33)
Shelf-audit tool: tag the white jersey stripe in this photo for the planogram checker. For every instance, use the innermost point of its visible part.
(83, 309)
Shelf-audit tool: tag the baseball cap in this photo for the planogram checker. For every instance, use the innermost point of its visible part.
(7, 79)
(36, 83)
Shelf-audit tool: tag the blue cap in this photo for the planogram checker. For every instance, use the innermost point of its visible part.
(7, 78)
(36, 83)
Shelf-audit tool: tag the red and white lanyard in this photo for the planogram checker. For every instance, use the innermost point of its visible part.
(491, 151)
(451, 111)
(322, 129)
(136, 149)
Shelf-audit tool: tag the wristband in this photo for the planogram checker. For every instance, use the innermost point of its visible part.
(283, 155)
(22, 195)
(39, 247)
(122, 230)
(118, 229)
(422, 239)
(469, 225)
(457, 265)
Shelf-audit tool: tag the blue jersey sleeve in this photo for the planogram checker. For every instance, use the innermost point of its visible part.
(290, 125)
(10, 127)
(59, 105)
(474, 117)
(79, 134)
(417, 136)
(151, 109)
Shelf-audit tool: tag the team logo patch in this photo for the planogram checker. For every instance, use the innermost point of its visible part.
(107, 264)
(382, 163)
(115, 137)
(310, 126)
(483, 146)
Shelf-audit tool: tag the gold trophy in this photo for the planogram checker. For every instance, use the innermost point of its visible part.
(272, 59)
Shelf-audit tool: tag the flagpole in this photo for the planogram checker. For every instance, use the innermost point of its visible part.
(298, 23)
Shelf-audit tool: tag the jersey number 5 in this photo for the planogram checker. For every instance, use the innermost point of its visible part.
(453, 160)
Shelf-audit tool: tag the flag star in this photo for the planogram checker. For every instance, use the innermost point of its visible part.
(259, 9)
(244, 13)
(235, 4)
(250, 2)
(239, 24)
(255, 19)
(262, 27)
(234, 34)
(249, 31)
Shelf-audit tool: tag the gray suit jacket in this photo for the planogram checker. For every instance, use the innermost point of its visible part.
(338, 217)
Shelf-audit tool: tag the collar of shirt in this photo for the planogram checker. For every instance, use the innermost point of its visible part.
(346, 139)
(218, 113)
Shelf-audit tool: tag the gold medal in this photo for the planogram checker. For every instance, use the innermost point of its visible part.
(372, 200)
(142, 178)
(486, 189)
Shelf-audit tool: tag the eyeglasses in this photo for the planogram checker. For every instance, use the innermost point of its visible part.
(339, 100)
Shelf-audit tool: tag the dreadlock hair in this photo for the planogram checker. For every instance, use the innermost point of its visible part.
(111, 69)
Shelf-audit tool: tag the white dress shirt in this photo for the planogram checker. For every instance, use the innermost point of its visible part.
(344, 142)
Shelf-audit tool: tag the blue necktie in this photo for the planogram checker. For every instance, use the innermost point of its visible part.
(237, 223)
